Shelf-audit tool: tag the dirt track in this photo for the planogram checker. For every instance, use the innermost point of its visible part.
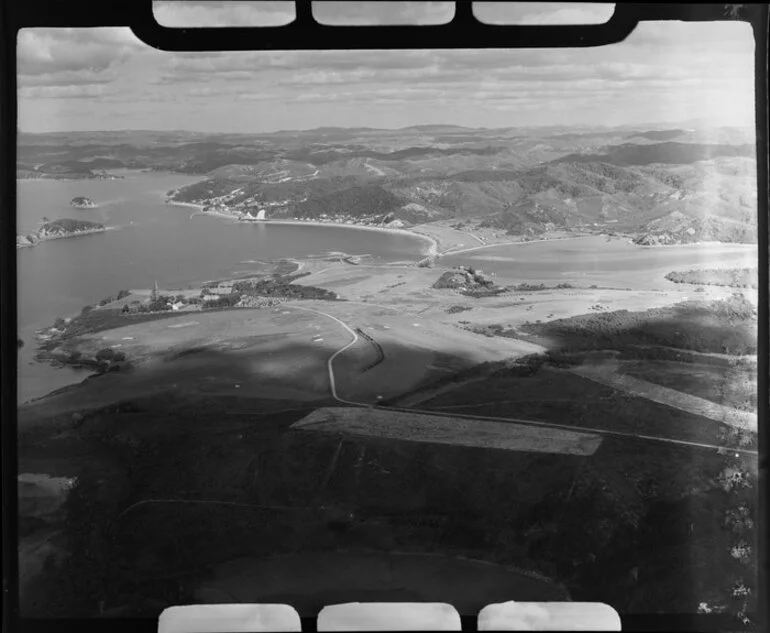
(421, 427)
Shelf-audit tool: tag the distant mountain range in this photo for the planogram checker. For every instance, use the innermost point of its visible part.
(658, 185)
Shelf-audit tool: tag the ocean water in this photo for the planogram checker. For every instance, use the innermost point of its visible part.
(151, 241)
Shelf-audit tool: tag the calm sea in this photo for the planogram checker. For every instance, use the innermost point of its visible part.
(614, 263)
(152, 241)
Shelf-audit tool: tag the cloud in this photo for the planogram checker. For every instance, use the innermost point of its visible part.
(50, 51)
(69, 78)
(88, 91)
(223, 13)
(261, 96)
(182, 67)
(704, 67)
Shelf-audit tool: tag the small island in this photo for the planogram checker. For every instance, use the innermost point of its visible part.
(56, 229)
(81, 202)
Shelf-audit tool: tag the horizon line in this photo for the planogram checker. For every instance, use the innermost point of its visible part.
(685, 125)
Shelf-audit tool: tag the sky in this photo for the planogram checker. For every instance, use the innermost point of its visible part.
(664, 73)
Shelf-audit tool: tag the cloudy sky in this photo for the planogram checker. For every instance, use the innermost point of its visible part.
(106, 79)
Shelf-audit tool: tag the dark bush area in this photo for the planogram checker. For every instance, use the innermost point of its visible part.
(224, 301)
(529, 287)
(725, 326)
(734, 277)
(105, 354)
(100, 320)
(66, 225)
(457, 308)
(356, 202)
(282, 287)
(205, 189)
(525, 287)
(478, 293)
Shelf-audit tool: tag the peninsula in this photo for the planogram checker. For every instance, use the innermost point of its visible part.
(57, 229)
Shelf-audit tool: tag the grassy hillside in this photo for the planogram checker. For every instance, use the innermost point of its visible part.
(724, 326)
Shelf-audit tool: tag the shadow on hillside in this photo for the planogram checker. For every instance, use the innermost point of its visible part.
(175, 480)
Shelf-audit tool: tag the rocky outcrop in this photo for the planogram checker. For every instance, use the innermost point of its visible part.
(81, 202)
(463, 277)
(468, 281)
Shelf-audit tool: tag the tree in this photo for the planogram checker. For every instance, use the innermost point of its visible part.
(86, 310)
(105, 354)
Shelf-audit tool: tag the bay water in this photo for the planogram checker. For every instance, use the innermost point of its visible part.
(148, 241)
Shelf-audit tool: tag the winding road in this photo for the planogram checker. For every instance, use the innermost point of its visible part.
(330, 362)
(335, 395)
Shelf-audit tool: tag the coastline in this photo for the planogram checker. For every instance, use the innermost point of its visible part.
(194, 205)
(516, 243)
(433, 244)
(61, 237)
(711, 243)
(431, 251)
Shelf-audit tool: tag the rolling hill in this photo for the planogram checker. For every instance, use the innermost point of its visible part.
(665, 153)
(658, 185)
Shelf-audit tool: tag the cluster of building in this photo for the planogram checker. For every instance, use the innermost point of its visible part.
(350, 220)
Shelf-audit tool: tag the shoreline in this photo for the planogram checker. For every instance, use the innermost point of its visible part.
(518, 243)
(433, 243)
(61, 237)
(704, 243)
(433, 246)
(185, 204)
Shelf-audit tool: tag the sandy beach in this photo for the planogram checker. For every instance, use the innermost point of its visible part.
(431, 251)
(433, 244)
(185, 204)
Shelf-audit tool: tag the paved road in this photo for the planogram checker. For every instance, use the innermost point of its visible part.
(332, 382)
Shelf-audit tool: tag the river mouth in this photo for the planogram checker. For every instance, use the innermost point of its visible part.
(372, 576)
